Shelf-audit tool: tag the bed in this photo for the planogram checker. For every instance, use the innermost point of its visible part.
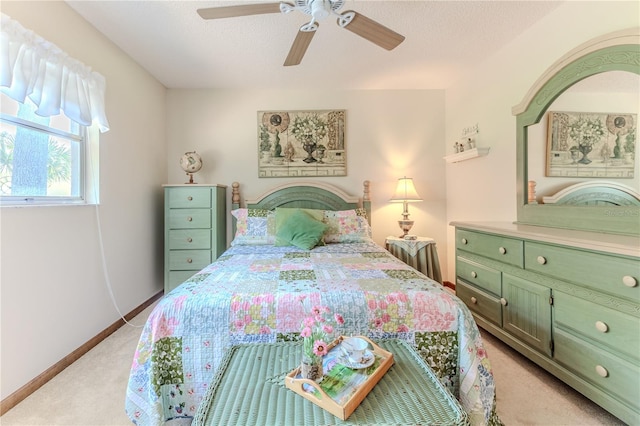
(251, 295)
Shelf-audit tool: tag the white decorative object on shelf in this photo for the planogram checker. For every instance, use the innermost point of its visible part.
(466, 148)
(466, 155)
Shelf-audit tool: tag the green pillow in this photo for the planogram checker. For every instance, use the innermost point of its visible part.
(282, 214)
(298, 228)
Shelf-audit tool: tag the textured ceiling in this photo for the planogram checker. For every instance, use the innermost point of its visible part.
(444, 39)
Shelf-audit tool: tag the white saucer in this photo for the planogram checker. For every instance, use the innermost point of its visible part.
(368, 359)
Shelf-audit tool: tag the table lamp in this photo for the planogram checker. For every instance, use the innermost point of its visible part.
(405, 193)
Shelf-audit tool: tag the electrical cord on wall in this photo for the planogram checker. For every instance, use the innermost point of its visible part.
(105, 270)
(103, 258)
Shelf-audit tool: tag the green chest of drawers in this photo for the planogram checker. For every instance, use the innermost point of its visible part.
(195, 230)
(567, 303)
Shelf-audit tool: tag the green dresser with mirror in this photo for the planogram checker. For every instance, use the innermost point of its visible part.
(561, 284)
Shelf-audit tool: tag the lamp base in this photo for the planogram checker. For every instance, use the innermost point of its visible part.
(406, 226)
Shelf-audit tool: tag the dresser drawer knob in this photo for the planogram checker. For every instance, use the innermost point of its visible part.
(474, 274)
(602, 327)
(503, 301)
(464, 241)
(190, 198)
(502, 250)
(474, 300)
(629, 281)
(541, 260)
(189, 219)
(189, 260)
(189, 240)
(602, 372)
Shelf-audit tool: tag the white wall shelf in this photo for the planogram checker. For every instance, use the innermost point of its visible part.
(467, 155)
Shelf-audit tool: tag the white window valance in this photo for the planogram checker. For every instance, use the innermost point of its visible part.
(35, 68)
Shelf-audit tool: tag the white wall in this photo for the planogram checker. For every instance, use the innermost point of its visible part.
(484, 189)
(54, 295)
(389, 134)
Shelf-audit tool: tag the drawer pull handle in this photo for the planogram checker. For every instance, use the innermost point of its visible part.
(189, 260)
(629, 281)
(602, 372)
(602, 327)
(190, 198)
(189, 219)
(502, 250)
(464, 241)
(189, 240)
(503, 301)
(474, 274)
(474, 300)
(541, 260)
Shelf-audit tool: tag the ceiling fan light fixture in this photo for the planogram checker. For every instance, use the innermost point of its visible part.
(320, 9)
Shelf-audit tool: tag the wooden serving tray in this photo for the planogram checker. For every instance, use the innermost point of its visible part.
(342, 389)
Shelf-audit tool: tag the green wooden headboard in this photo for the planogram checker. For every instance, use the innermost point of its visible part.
(308, 195)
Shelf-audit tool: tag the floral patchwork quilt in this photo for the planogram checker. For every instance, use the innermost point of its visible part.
(251, 294)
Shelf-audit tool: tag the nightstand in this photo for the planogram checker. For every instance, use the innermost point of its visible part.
(421, 254)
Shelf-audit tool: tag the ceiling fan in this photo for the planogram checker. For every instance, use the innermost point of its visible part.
(318, 10)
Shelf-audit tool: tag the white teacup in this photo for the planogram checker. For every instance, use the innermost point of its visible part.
(355, 347)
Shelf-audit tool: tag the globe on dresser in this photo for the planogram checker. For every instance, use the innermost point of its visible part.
(191, 163)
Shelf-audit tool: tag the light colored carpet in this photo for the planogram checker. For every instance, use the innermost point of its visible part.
(92, 390)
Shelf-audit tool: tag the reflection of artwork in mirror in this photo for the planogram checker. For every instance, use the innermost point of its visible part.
(301, 143)
(585, 144)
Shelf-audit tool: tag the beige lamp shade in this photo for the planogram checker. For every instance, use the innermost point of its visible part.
(405, 191)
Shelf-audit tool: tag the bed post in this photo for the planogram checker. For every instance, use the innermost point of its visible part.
(366, 200)
(235, 204)
(235, 195)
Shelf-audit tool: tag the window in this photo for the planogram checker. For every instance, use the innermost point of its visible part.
(42, 159)
(52, 107)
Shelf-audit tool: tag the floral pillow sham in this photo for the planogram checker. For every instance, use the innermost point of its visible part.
(254, 227)
(347, 226)
(258, 226)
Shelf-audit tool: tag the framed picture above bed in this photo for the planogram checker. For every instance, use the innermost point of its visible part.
(587, 144)
(301, 143)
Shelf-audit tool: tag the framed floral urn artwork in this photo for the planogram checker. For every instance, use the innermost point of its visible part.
(301, 143)
(586, 144)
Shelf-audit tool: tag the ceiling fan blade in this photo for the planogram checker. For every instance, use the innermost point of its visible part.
(240, 10)
(369, 29)
(300, 44)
